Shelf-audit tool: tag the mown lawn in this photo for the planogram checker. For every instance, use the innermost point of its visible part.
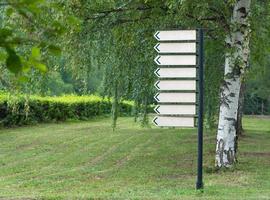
(84, 160)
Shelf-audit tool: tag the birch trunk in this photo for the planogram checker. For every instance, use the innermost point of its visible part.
(236, 61)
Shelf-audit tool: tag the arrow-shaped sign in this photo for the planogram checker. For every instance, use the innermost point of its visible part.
(175, 109)
(165, 97)
(176, 60)
(176, 72)
(156, 35)
(156, 97)
(157, 85)
(157, 60)
(174, 121)
(175, 47)
(176, 85)
(156, 72)
(179, 35)
(156, 109)
(156, 47)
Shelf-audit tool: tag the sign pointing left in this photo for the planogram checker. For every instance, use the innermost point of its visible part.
(176, 72)
(177, 35)
(175, 47)
(176, 60)
(174, 121)
(175, 109)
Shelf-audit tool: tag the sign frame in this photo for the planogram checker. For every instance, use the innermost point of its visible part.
(175, 60)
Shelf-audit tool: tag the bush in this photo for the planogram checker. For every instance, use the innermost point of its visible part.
(21, 110)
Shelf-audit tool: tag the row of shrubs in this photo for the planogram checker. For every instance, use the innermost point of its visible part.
(21, 110)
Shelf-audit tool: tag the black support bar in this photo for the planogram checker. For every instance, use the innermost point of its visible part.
(199, 183)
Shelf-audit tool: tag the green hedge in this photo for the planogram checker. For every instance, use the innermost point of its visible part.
(21, 111)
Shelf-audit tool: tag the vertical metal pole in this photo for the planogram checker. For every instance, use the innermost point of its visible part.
(199, 183)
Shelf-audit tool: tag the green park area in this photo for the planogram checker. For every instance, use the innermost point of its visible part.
(135, 99)
(87, 160)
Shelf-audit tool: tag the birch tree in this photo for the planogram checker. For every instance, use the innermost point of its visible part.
(236, 62)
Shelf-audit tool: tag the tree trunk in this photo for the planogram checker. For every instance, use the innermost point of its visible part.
(115, 106)
(239, 126)
(262, 107)
(236, 61)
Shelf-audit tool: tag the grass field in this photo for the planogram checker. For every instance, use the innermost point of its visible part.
(84, 160)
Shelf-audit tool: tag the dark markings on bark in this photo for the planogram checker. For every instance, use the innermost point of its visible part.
(243, 11)
(243, 26)
(220, 151)
(224, 101)
(230, 119)
(229, 44)
(232, 94)
(236, 70)
(230, 156)
(224, 85)
(229, 76)
(238, 43)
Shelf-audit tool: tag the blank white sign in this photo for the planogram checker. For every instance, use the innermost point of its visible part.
(176, 72)
(176, 60)
(176, 47)
(176, 109)
(176, 85)
(174, 121)
(175, 97)
(177, 35)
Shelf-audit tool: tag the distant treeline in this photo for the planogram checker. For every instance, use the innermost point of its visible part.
(255, 105)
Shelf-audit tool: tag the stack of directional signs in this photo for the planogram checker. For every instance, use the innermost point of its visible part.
(177, 78)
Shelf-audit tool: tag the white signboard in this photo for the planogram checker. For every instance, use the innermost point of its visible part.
(174, 121)
(176, 85)
(175, 97)
(175, 109)
(176, 60)
(179, 35)
(175, 47)
(176, 72)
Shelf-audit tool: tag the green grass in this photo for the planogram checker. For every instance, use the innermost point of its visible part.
(84, 160)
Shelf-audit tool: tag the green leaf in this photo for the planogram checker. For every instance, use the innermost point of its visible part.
(36, 53)
(9, 11)
(4, 34)
(54, 50)
(23, 79)
(3, 56)
(41, 67)
(13, 62)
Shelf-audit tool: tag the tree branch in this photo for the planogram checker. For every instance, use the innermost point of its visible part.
(123, 21)
(103, 14)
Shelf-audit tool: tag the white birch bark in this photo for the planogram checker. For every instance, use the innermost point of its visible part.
(236, 61)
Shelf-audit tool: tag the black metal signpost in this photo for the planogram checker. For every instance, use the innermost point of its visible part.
(199, 184)
(177, 75)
